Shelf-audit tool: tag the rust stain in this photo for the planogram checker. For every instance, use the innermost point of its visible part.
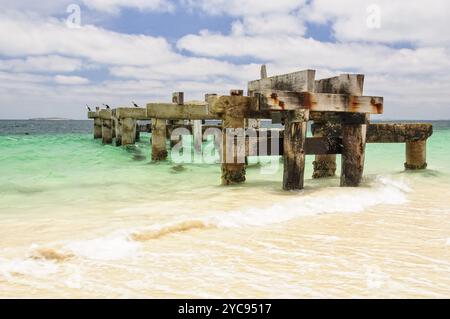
(306, 100)
(277, 101)
(378, 106)
(353, 103)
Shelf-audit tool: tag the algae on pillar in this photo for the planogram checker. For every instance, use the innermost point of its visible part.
(325, 126)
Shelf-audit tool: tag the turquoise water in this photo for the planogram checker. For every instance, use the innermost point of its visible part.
(45, 169)
(82, 219)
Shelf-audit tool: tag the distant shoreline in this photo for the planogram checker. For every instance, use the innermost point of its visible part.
(49, 119)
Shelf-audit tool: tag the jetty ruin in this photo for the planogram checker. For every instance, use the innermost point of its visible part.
(336, 106)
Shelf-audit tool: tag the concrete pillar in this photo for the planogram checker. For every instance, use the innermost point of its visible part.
(197, 133)
(233, 150)
(128, 131)
(353, 153)
(118, 129)
(113, 127)
(138, 132)
(233, 144)
(97, 128)
(159, 147)
(295, 129)
(416, 155)
(107, 131)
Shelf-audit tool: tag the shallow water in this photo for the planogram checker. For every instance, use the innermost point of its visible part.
(79, 219)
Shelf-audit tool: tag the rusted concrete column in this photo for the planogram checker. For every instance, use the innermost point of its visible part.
(97, 128)
(295, 128)
(128, 131)
(233, 143)
(416, 155)
(159, 147)
(353, 153)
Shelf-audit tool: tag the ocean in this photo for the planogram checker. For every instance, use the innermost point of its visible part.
(79, 220)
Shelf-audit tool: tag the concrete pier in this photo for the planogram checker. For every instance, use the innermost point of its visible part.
(341, 116)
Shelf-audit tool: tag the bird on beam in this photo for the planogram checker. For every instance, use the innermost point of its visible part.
(107, 106)
(135, 105)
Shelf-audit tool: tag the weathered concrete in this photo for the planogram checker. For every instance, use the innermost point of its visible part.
(398, 133)
(301, 81)
(97, 128)
(294, 149)
(118, 129)
(329, 124)
(353, 153)
(136, 113)
(106, 118)
(416, 155)
(159, 147)
(128, 130)
(233, 148)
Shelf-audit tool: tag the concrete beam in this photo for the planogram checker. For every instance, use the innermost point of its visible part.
(398, 133)
(132, 112)
(301, 81)
(320, 102)
(188, 111)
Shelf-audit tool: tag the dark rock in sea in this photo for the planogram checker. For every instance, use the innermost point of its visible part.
(177, 169)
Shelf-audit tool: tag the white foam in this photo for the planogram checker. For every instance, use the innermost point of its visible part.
(329, 200)
(30, 267)
(113, 247)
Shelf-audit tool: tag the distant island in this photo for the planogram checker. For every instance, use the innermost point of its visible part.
(49, 119)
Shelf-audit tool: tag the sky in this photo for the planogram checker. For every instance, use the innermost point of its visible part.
(57, 56)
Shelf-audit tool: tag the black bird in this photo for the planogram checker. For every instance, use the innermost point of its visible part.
(135, 105)
(89, 109)
(107, 106)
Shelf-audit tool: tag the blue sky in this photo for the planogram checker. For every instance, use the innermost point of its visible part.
(143, 50)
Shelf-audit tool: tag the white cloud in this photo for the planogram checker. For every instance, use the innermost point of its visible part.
(114, 6)
(22, 35)
(245, 8)
(50, 63)
(70, 80)
(419, 22)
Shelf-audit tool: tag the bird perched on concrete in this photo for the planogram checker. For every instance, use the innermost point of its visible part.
(107, 106)
(89, 109)
(135, 105)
